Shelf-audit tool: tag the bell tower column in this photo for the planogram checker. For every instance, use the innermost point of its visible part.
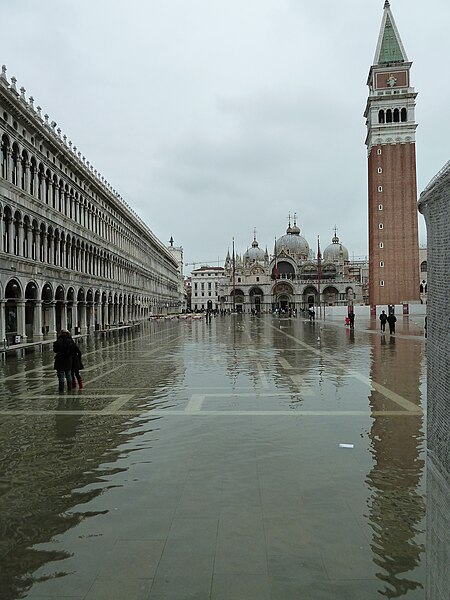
(392, 191)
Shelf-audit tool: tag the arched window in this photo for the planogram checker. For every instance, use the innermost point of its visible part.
(404, 115)
(389, 116)
(15, 165)
(32, 176)
(396, 115)
(423, 266)
(381, 116)
(4, 156)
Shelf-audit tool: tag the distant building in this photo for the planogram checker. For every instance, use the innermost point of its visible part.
(292, 277)
(205, 283)
(73, 254)
(177, 253)
(393, 215)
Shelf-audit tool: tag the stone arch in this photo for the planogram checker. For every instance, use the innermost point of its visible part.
(330, 295)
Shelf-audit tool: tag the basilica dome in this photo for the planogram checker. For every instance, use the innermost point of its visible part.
(293, 242)
(255, 253)
(335, 251)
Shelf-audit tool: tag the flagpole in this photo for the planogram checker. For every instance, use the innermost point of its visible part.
(319, 273)
(234, 280)
(276, 276)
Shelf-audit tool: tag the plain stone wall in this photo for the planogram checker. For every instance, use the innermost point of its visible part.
(435, 206)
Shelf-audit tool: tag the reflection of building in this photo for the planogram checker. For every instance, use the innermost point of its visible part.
(396, 505)
(391, 126)
(73, 253)
(204, 287)
(291, 277)
(76, 456)
(435, 206)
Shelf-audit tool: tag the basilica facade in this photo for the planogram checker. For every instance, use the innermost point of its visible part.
(293, 277)
(73, 254)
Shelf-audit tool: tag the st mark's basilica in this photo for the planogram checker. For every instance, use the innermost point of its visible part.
(294, 276)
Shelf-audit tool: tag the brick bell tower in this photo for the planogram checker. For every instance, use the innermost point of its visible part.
(391, 147)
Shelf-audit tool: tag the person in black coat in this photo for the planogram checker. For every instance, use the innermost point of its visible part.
(77, 365)
(63, 348)
(383, 318)
(391, 321)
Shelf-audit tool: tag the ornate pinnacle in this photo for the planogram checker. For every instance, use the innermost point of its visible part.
(386, 4)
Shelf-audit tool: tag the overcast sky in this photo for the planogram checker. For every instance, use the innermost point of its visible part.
(213, 117)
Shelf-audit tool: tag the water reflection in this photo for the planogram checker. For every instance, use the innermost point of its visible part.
(50, 464)
(396, 505)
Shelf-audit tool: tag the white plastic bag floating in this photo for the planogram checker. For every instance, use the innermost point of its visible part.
(346, 445)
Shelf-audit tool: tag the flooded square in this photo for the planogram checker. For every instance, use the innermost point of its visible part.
(249, 457)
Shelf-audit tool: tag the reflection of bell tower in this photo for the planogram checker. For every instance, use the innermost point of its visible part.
(390, 141)
(396, 506)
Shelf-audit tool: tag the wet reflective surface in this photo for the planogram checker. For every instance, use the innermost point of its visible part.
(203, 460)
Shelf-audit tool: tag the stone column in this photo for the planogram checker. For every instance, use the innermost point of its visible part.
(50, 196)
(20, 239)
(52, 319)
(2, 321)
(82, 317)
(21, 320)
(2, 229)
(37, 321)
(74, 316)
(9, 233)
(26, 177)
(9, 164)
(63, 315)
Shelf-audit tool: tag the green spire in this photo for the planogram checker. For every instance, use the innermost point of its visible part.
(390, 48)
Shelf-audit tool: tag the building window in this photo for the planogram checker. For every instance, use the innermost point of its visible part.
(380, 226)
(257, 279)
(209, 293)
(380, 207)
(195, 286)
(380, 170)
(381, 283)
(379, 151)
(239, 280)
(381, 245)
(380, 188)
(423, 266)
(203, 293)
(381, 263)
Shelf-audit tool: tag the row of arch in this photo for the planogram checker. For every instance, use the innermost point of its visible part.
(309, 271)
(34, 310)
(31, 175)
(397, 115)
(23, 236)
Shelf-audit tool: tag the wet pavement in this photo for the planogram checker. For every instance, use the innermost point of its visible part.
(204, 461)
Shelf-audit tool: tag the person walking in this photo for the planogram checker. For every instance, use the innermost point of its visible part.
(351, 318)
(63, 359)
(391, 319)
(383, 319)
(77, 365)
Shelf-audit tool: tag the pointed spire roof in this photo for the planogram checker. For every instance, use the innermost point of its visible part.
(390, 47)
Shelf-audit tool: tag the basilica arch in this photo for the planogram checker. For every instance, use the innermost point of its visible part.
(330, 296)
(256, 299)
